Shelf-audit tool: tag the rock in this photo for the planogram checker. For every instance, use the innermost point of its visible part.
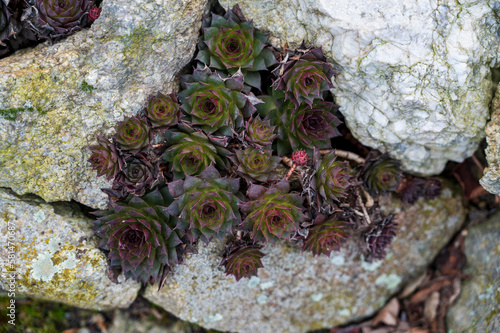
(55, 255)
(123, 322)
(414, 80)
(491, 177)
(81, 87)
(478, 306)
(297, 292)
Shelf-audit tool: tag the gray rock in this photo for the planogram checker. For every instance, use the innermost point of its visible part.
(81, 87)
(491, 177)
(478, 306)
(124, 323)
(297, 292)
(414, 78)
(54, 254)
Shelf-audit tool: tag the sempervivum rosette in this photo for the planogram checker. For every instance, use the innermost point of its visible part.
(133, 134)
(105, 158)
(379, 237)
(255, 164)
(242, 260)
(5, 18)
(140, 235)
(272, 213)
(190, 154)
(137, 175)
(214, 103)
(382, 174)
(332, 178)
(63, 16)
(260, 132)
(231, 43)
(325, 236)
(163, 110)
(305, 76)
(206, 205)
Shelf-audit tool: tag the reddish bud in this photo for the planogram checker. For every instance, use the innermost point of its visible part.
(299, 157)
(94, 13)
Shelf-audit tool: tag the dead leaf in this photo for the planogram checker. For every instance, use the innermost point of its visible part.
(431, 306)
(388, 315)
(435, 285)
(412, 286)
(419, 330)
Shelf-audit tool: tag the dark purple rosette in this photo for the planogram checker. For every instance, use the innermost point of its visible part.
(243, 261)
(325, 235)
(64, 16)
(272, 213)
(379, 237)
(140, 236)
(133, 134)
(137, 175)
(105, 158)
(163, 110)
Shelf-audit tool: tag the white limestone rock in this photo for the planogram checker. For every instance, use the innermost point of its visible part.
(415, 76)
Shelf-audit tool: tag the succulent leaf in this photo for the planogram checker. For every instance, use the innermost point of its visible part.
(140, 235)
(206, 205)
(272, 213)
(243, 261)
(257, 164)
(163, 111)
(105, 158)
(332, 178)
(137, 175)
(231, 43)
(325, 236)
(214, 103)
(133, 134)
(190, 154)
(5, 21)
(379, 238)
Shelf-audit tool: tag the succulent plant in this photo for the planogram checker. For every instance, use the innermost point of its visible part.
(231, 43)
(382, 174)
(105, 158)
(304, 75)
(140, 235)
(300, 157)
(5, 19)
(243, 260)
(190, 154)
(332, 178)
(206, 205)
(260, 132)
(137, 175)
(214, 103)
(63, 16)
(257, 164)
(272, 213)
(133, 134)
(163, 110)
(379, 237)
(325, 235)
(413, 188)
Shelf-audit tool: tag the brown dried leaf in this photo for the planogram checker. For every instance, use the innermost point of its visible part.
(423, 294)
(412, 286)
(431, 306)
(388, 315)
(419, 330)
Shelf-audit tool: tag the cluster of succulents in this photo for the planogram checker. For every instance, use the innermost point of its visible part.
(27, 22)
(220, 159)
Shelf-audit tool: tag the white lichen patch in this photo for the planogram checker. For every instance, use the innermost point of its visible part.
(391, 281)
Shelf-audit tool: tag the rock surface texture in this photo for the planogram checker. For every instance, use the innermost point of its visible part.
(81, 87)
(296, 292)
(414, 79)
(56, 256)
(491, 178)
(478, 306)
